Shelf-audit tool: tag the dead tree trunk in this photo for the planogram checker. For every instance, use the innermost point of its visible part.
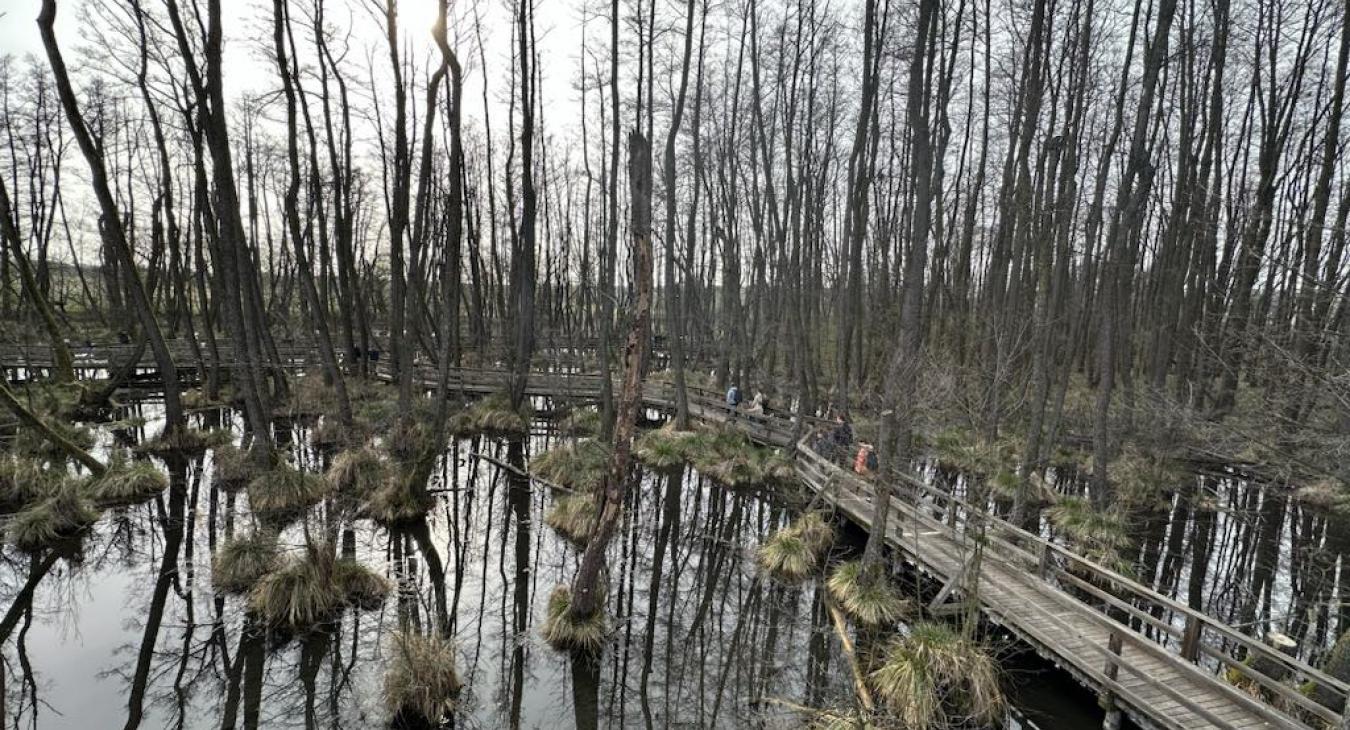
(586, 589)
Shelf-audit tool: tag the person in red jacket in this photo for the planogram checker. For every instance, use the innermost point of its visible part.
(865, 462)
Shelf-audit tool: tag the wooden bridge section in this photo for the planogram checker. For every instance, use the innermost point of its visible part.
(1158, 661)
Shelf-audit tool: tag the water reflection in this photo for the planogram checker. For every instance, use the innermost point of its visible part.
(127, 629)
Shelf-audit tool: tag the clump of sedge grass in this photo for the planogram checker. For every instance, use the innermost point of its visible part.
(312, 588)
(282, 495)
(727, 456)
(935, 675)
(787, 557)
(867, 596)
(127, 482)
(816, 531)
(242, 561)
(331, 433)
(23, 481)
(1098, 535)
(564, 632)
(580, 422)
(233, 467)
(64, 514)
(361, 587)
(666, 447)
(357, 472)
(421, 680)
(494, 415)
(580, 466)
(396, 502)
(574, 517)
(794, 552)
(300, 594)
(185, 441)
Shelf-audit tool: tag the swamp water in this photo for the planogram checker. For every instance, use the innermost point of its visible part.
(127, 630)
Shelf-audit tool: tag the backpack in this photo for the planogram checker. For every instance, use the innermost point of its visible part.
(734, 396)
(872, 460)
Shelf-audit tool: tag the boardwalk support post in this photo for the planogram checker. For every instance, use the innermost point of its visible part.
(1112, 720)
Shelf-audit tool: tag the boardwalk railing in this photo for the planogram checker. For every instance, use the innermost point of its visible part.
(1131, 613)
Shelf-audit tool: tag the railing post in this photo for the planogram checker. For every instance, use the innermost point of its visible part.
(1043, 565)
(1190, 639)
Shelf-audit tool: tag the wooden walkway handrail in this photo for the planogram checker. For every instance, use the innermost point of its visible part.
(1188, 636)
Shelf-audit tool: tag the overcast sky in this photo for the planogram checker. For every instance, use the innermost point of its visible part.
(558, 25)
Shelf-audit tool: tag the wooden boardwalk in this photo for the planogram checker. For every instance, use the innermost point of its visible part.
(1156, 660)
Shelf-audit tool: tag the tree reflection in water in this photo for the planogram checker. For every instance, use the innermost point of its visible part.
(697, 639)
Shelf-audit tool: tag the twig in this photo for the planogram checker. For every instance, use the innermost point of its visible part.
(519, 472)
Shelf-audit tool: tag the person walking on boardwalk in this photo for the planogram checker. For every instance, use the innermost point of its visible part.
(865, 462)
(733, 401)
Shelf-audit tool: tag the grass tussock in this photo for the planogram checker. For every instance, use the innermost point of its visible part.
(357, 472)
(816, 530)
(795, 552)
(867, 596)
(23, 481)
(190, 441)
(1146, 481)
(360, 586)
(787, 557)
(243, 561)
(313, 588)
(196, 399)
(421, 679)
(332, 434)
(579, 466)
(574, 517)
(127, 481)
(666, 447)
(233, 467)
(492, 415)
(62, 515)
(580, 422)
(729, 457)
(1099, 535)
(284, 494)
(397, 503)
(965, 451)
(936, 677)
(564, 632)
